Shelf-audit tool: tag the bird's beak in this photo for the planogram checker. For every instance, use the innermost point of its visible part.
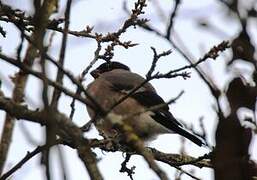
(95, 73)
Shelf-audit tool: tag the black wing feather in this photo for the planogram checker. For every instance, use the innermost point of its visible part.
(163, 116)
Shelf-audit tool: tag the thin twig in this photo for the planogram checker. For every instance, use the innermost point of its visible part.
(185, 172)
(213, 54)
(50, 130)
(156, 57)
(62, 163)
(124, 168)
(60, 73)
(172, 17)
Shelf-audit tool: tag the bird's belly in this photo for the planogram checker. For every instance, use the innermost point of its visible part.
(143, 125)
(147, 128)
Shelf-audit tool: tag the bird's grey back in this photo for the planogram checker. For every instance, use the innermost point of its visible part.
(127, 79)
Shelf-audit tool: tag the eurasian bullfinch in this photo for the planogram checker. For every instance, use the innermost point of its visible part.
(113, 80)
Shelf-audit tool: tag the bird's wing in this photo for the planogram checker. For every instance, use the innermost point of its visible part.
(163, 116)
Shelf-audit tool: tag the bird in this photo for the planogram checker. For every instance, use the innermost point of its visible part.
(114, 80)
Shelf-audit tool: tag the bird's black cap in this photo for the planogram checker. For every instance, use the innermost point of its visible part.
(108, 66)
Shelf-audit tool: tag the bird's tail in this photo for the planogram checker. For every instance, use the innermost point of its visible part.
(192, 137)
